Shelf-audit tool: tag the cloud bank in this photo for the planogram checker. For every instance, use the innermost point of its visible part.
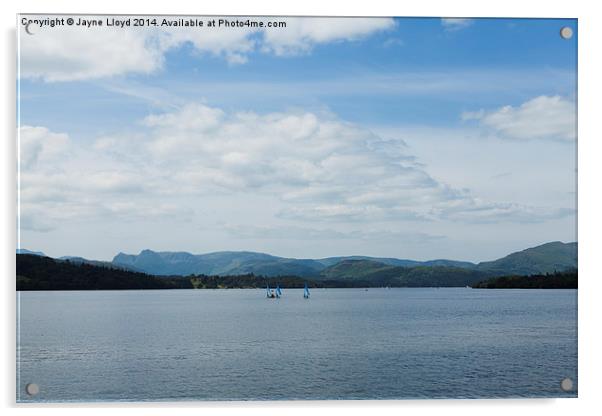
(316, 168)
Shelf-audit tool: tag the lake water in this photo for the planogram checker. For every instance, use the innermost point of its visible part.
(340, 344)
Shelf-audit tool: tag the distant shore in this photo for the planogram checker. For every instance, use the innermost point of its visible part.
(37, 273)
(562, 280)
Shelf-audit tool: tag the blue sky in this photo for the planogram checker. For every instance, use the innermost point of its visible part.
(509, 60)
(459, 135)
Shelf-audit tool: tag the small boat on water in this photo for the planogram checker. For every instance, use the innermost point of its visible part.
(273, 293)
(269, 292)
(306, 291)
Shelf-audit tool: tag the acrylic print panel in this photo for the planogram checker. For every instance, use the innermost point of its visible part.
(269, 208)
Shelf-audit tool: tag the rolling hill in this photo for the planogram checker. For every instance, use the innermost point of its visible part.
(248, 269)
(243, 262)
(219, 263)
(34, 253)
(546, 258)
(357, 269)
(418, 276)
(45, 273)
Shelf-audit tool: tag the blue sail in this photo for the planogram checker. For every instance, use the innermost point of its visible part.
(278, 291)
(306, 291)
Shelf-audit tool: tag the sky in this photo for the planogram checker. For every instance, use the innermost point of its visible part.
(417, 138)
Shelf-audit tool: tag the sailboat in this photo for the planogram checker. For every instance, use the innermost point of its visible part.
(269, 292)
(306, 292)
(278, 291)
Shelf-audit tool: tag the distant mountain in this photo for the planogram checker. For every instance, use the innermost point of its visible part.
(243, 262)
(450, 263)
(219, 263)
(34, 253)
(158, 263)
(356, 269)
(45, 273)
(329, 261)
(36, 272)
(542, 259)
(547, 258)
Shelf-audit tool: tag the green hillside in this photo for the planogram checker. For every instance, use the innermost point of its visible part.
(355, 269)
(547, 258)
(379, 274)
(436, 276)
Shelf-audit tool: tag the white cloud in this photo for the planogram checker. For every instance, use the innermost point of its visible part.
(72, 53)
(231, 44)
(38, 143)
(302, 34)
(455, 23)
(61, 180)
(190, 117)
(543, 117)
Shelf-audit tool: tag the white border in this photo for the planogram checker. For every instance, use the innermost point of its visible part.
(589, 197)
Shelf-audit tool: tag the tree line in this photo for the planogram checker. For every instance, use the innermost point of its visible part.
(558, 280)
